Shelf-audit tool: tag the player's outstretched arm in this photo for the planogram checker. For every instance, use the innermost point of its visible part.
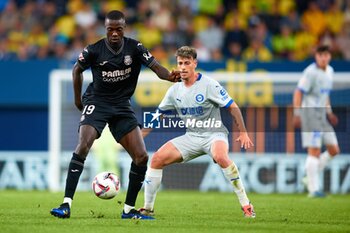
(243, 135)
(163, 73)
(77, 85)
(297, 98)
(332, 118)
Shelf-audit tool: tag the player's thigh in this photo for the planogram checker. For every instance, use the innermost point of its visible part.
(331, 142)
(133, 143)
(121, 125)
(189, 147)
(166, 155)
(92, 122)
(95, 115)
(311, 139)
(217, 147)
(330, 138)
(314, 151)
(216, 143)
(87, 136)
(125, 129)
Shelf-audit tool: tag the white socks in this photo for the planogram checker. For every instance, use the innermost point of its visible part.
(232, 174)
(154, 177)
(152, 183)
(325, 157)
(127, 208)
(68, 200)
(312, 167)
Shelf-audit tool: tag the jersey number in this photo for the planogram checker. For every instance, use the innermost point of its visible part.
(88, 109)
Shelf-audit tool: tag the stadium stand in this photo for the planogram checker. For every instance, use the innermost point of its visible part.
(262, 30)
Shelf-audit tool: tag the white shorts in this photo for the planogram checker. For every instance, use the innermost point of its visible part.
(192, 145)
(316, 130)
(317, 139)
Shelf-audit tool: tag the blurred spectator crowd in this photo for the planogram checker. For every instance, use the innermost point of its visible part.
(243, 30)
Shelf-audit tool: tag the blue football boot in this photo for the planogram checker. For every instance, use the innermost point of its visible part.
(61, 212)
(317, 194)
(134, 214)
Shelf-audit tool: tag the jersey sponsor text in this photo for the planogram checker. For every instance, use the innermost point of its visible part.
(116, 75)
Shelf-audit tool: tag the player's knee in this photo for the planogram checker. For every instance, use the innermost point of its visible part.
(141, 159)
(157, 161)
(334, 151)
(82, 150)
(222, 160)
(81, 155)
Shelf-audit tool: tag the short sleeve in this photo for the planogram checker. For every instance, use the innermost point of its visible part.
(305, 82)
(219, 95)
(85, 58)
(144, 55)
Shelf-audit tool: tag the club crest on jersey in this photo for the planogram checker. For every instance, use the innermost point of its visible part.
(223, 92)
(199, 98)
(127, 60)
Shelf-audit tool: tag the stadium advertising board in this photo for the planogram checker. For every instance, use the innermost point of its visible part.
(262, 174)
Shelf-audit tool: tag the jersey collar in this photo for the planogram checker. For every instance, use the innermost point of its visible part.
(112, 50)
(318, 67)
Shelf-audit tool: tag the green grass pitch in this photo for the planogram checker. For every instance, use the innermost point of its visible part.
(176, 212)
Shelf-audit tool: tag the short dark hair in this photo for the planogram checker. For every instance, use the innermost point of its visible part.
(322, 49)
(115, 15)
(187, 52)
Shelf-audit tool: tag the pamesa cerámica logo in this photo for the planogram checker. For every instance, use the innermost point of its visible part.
(158, 120)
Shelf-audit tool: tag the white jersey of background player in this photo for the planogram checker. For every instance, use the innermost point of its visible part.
(313, 113)
(198, 99)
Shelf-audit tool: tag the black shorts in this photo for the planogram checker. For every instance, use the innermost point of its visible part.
(121, 118)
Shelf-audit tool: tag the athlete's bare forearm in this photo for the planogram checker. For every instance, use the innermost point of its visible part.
(297, 98)
(164, 74)
(237, 115)
(243, 137)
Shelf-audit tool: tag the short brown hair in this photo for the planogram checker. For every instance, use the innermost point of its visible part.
(187, 52)
(322, 49)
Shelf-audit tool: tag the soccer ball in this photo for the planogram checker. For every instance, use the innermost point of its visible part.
(106, 185)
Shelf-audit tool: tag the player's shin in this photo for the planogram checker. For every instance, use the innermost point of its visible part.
(325, 158)
(75, 169)
(232, 174)
(312, 172)
(136, 178)
(152, 183)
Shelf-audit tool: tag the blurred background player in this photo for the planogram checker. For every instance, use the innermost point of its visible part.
(197, 98)
(313, 113)
(115, 63)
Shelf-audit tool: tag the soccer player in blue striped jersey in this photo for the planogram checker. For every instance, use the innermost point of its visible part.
(313, 113)
(197, 100)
